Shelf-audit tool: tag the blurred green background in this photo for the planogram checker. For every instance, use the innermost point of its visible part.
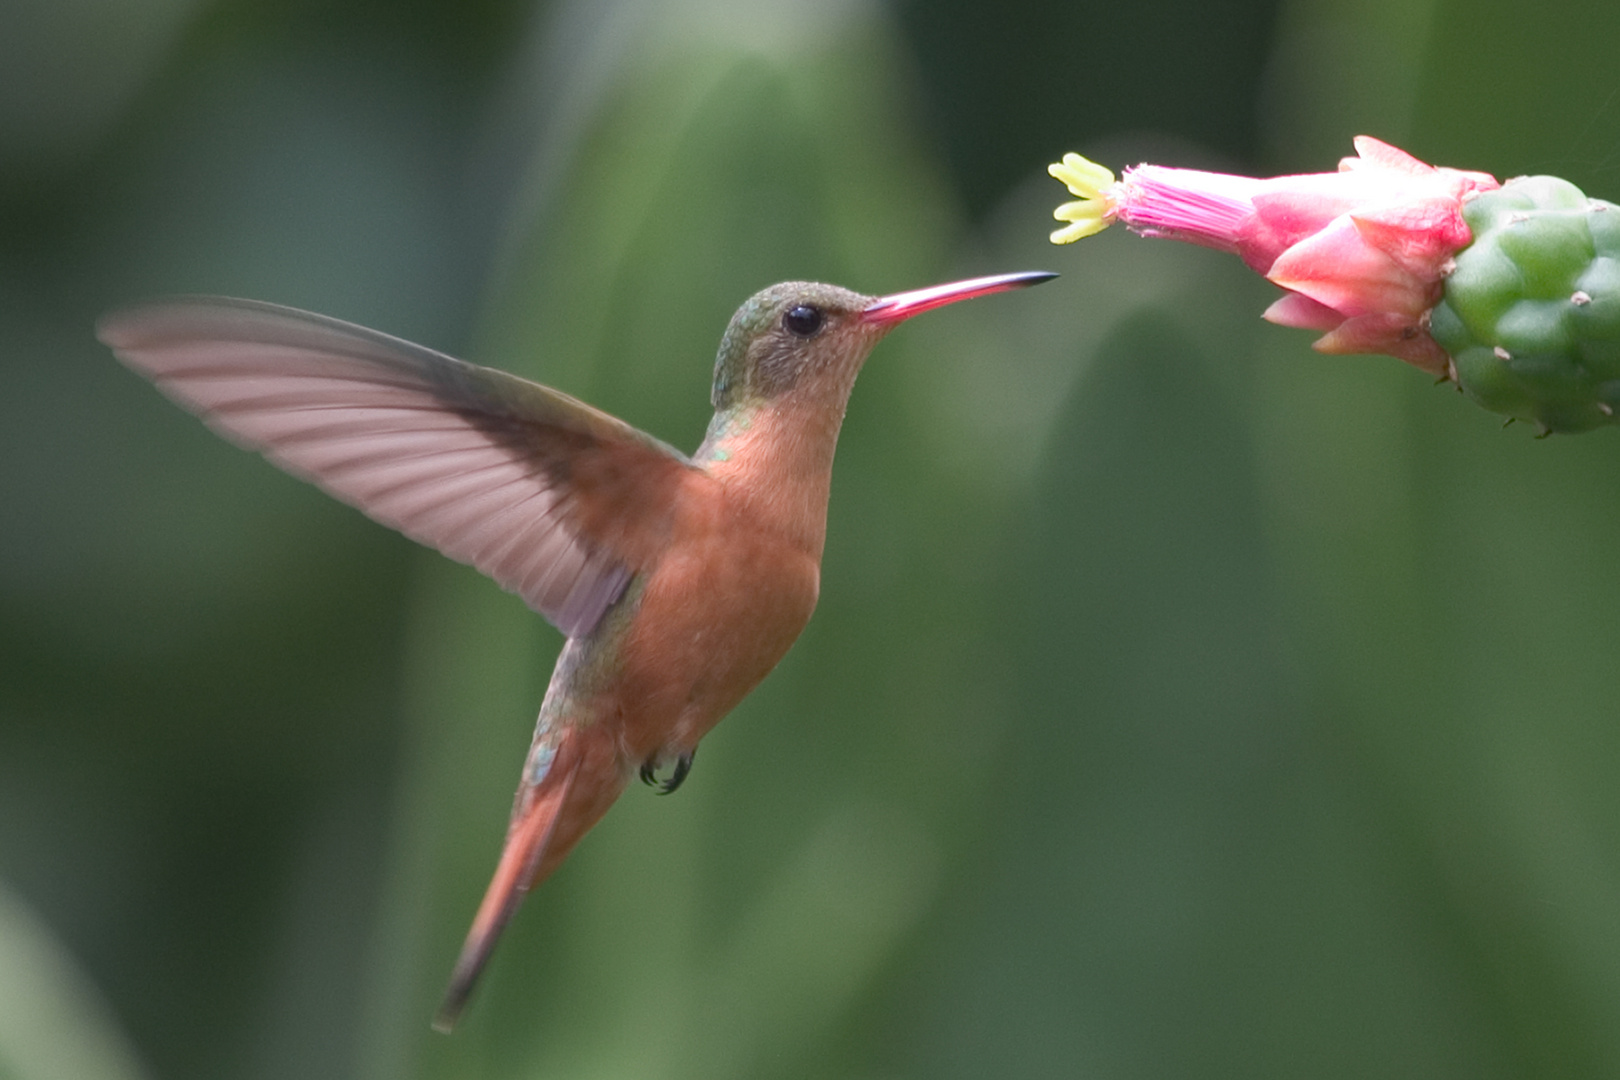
(1181, 703)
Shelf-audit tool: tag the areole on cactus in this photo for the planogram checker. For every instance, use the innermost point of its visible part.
(1511, 290)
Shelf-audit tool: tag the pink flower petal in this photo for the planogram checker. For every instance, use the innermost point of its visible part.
(1393, 335)
(1336, 266)
(1302, 312)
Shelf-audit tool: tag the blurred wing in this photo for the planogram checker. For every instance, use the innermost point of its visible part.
(557, 501)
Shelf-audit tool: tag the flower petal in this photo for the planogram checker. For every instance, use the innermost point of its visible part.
(1300, 311)
(1379, 154)
(1392, 335)
(1336, 266)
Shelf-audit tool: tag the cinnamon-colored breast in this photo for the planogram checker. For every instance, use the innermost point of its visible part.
(718, 611)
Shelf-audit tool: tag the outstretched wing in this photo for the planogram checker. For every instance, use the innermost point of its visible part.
(557, 501)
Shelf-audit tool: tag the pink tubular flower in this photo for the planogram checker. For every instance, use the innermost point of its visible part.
(1363, 252)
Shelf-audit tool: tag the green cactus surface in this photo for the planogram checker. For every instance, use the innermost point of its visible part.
(1531, 315)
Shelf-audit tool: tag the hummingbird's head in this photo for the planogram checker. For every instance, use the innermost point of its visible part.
(808, 339)
(797, 335)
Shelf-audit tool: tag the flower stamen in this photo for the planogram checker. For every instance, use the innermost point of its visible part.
(1093, 210)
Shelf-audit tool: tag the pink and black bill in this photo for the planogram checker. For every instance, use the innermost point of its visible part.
(903, 305)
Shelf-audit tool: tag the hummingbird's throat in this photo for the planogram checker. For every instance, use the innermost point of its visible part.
(726, 429)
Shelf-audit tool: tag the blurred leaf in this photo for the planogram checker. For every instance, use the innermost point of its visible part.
(67, 70)
(1516, 96)
(1187, 875)
(54, 1025)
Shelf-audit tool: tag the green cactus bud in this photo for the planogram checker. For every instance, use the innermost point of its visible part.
(1531, 314)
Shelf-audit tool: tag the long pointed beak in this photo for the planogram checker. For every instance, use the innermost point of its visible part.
(891, 309)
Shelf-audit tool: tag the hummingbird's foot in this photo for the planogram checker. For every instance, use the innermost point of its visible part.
(649, 773)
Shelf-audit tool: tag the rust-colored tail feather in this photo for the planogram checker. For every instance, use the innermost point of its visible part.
(526, 843)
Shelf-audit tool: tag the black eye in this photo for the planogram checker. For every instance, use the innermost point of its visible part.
(802, 320)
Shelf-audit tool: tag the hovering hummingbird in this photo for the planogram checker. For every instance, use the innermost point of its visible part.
(680, 582)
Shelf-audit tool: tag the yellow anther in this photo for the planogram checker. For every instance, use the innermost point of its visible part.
(1094, 210)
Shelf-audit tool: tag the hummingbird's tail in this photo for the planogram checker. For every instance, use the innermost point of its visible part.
(548, 819)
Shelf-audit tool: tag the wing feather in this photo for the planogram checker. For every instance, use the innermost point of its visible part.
(488, 468)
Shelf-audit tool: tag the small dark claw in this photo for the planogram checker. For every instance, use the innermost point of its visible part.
(649, 773)
(683, 765)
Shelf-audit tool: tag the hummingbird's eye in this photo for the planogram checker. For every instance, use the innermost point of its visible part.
(802, 320)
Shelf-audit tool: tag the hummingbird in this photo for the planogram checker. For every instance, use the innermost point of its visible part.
(678, 581)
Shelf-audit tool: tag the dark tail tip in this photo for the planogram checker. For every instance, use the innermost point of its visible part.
(455, 1000)
(444, 1021)
(469, 965)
